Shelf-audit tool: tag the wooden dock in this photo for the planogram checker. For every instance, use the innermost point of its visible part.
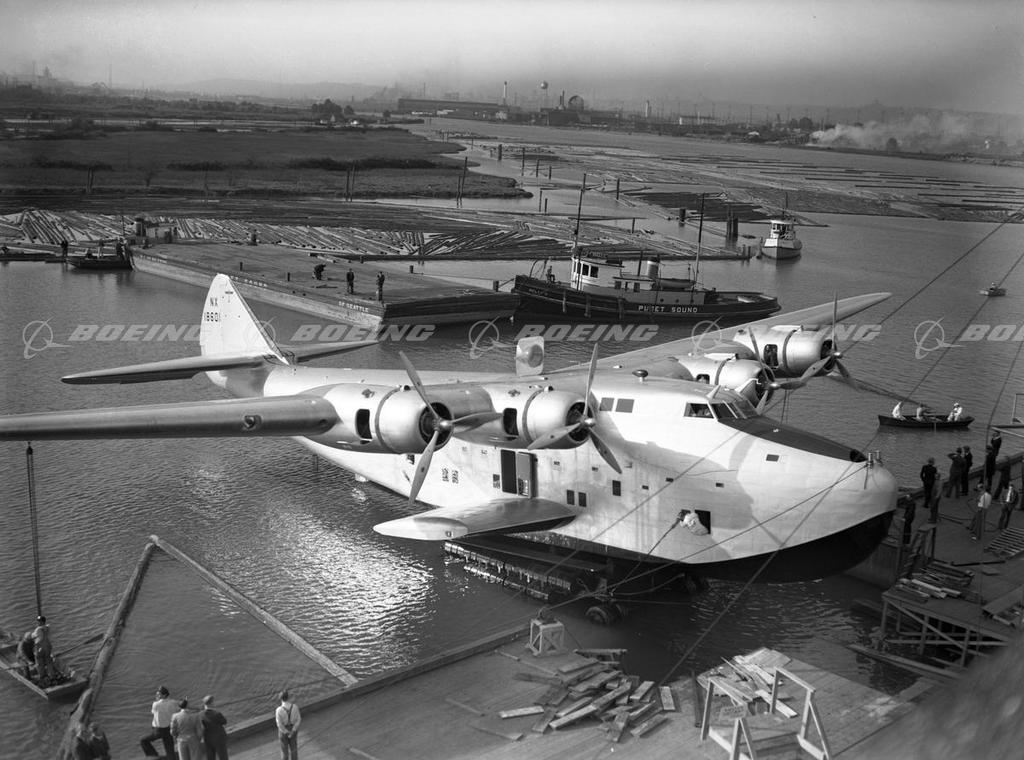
(283, 276)
(955, 598)
(498, 700)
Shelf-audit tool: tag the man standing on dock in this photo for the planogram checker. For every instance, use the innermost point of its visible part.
(978, 524)
(350, 280)
(956, 466)
(287, 717)
(163, 710)
(928, 477)
(380, 285)
(214, 736)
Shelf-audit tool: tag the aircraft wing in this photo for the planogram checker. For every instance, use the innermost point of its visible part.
(501, 516)
(271, 416)
(811, 317)
(189, 366)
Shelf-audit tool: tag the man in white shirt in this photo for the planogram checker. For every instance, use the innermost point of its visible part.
(163, 710)
(978, 525)
(897, 411)
(288, 718)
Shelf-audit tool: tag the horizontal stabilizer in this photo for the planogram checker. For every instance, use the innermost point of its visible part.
(505, 516)
(316, 350)
(169, 369)
(273, 416)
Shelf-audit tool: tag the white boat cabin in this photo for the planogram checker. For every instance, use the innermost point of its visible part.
(611, 277)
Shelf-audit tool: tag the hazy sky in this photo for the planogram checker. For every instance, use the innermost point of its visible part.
(965, 54)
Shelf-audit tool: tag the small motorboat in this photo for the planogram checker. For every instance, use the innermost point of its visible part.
(929, 422)
(993, 290)
(64, 685)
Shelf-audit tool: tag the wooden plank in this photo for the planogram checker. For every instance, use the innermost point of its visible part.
(519, 712)
(780, 706)
(512, 736)
(464, 706)
(649, 725)
(574, 716)
(618, 726)
(573, 707)
(549, 680)
(668, 700)
(359, 753)
(739, 693)
(641, 691)
(542, 723)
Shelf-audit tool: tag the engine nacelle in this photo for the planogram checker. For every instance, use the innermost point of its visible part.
(394, 420)
(789, 350)
(378, 419)
(527, 414)
(744, 376)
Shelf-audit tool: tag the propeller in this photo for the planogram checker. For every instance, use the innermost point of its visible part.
(834, 351)
(765, 383)
(583, 426)
(442, 427)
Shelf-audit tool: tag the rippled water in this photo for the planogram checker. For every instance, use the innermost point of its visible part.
(297, 538)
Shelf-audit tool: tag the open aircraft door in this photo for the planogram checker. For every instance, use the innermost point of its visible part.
(519, 472)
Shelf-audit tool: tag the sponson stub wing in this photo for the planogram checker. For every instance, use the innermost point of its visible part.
(500, 516)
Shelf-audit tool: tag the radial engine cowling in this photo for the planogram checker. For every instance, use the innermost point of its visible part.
(744, 376)
(789, 351)
(388, 419)
(528, 414)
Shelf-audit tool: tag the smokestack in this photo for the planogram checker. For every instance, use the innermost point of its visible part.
(504, 94)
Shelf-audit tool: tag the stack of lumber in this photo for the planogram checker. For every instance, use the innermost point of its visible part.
(746, 681)
(594, 688)
(937, 581)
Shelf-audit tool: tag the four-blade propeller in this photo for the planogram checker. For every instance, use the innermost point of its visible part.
(584, 425)
(443, 427)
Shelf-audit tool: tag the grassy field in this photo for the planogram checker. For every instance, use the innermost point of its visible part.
(372, 163)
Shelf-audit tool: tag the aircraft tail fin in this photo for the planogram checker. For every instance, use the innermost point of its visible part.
(229, 327)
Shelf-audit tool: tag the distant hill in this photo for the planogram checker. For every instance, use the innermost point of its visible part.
(339, 92)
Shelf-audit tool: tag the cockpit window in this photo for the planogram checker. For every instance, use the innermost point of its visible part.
(698, 410)
(744, 408)
(723, 411)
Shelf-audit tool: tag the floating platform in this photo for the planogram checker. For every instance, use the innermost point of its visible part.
(283, 276)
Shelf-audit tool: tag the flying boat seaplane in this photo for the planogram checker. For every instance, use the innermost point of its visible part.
(662, 454)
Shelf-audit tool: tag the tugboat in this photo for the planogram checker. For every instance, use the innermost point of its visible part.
(601, 288)
(781, 243)
(120, 259)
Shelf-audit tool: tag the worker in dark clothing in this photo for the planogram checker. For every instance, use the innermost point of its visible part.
(318, 271)
(931, 499)
(990, 469)
(965, 473)
(380, 285)
(956, 466)
(996, 442)
(350, 280)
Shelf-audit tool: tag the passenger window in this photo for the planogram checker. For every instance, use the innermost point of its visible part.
(606, 404)
(624, 405)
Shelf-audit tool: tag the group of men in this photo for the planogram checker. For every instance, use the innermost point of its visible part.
(350, 280)
(955, 415)
(186, 733)
(960, 465)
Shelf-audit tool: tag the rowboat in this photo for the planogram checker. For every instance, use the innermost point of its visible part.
(930, 422)
(66, 684)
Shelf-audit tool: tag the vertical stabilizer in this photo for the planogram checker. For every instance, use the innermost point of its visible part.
(229, 327)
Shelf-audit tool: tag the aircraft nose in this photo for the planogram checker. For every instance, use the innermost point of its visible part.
(882, 489)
